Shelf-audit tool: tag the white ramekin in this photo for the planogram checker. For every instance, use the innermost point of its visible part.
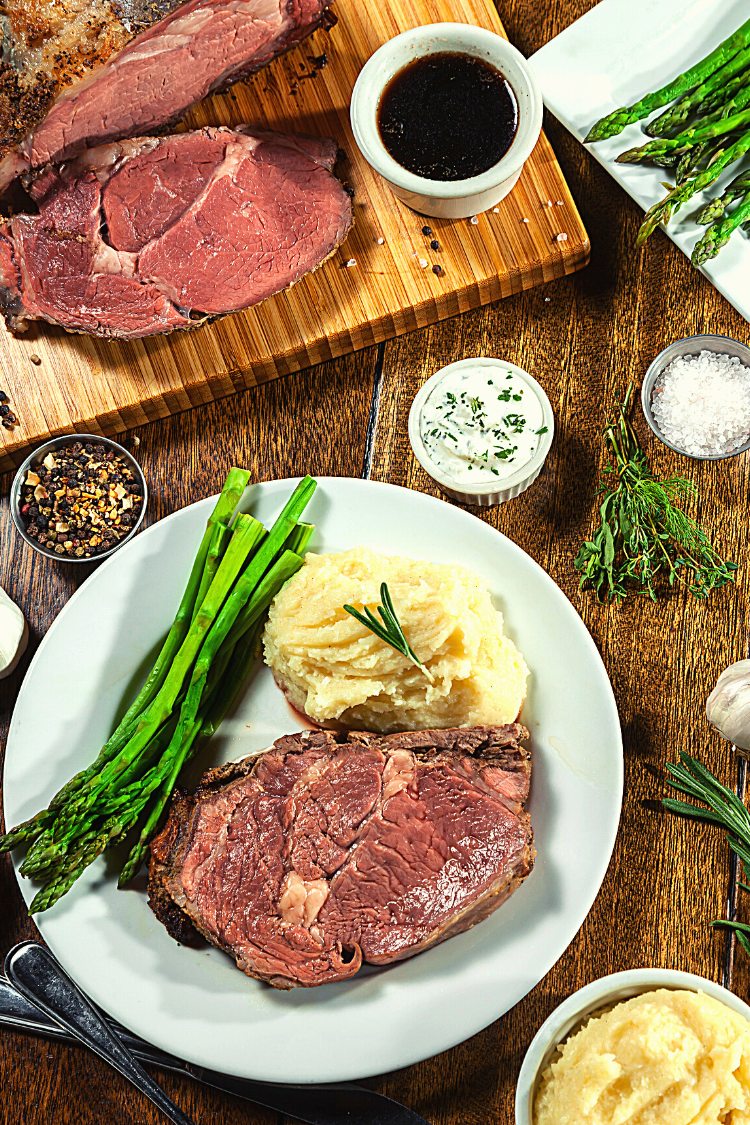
(482, 495)
(599, 995)
(446, 199)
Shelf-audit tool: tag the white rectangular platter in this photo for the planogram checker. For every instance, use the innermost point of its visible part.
(616, 53)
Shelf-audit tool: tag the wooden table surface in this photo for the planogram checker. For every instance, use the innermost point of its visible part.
(584, 338)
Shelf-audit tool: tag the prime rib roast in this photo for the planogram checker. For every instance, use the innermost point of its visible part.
(147, 235)
(331, 850)
(78, 73)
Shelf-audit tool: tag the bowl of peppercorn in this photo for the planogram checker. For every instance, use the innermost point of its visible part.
(78, 497)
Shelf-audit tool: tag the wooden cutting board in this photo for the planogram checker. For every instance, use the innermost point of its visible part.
(62, 383)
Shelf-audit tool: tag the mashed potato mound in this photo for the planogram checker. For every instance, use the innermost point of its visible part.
(332, 668)
(663, 1058)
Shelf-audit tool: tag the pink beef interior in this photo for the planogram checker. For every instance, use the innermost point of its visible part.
(158, 233)
(330, 851)
(126, 82)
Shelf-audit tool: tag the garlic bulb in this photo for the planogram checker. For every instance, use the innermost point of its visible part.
(728, 706)
(14, 634)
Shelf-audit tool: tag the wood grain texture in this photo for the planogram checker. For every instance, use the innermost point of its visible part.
(584, 338)
(107, 386)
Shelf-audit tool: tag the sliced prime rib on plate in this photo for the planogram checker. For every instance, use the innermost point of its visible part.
(77, 73)
(148, 235)
(331, 850)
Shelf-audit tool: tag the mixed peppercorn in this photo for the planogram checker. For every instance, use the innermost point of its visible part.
(7, 417)
(81, 500)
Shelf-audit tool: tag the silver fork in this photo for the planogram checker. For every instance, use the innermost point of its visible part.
(40, 978)
(338, 1103)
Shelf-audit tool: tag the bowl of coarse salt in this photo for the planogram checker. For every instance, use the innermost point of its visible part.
(696, 397)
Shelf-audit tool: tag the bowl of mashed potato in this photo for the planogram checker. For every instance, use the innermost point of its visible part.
(645, 1047)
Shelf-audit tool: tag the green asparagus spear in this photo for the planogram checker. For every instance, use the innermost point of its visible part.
(615, 122)
(231, 494)
(674, 118)
(247, 567)
(695, 135)
(662, 211)
(718, 234)
(715, 209)
(191, 724)
(723, 94)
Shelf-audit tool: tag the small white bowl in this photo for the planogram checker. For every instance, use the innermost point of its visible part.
(482, 494)
(599, 995)
(447, 199)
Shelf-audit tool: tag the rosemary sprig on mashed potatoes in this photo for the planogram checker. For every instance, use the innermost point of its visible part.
(334, 669)
(388, 628)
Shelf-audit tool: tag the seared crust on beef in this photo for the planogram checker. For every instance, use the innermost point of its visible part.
(54, 54)
(395, 843)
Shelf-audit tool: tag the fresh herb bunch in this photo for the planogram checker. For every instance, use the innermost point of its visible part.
(645, 539)
(726, 810)
(388, 629)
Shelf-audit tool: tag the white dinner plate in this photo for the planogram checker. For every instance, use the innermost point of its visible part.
(612, 56)
(195, 1003)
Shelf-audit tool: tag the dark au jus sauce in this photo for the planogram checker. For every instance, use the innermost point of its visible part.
(448, 116)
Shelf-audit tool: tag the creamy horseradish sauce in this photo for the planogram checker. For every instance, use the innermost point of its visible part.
(481, 423)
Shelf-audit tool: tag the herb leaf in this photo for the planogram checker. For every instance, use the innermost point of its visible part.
(645, 540)
(390, 631)
(725, 810)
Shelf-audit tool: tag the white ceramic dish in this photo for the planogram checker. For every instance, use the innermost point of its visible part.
(441, 198)
(482, 495)
(600, 994)
(605, 60)
(195, 1003)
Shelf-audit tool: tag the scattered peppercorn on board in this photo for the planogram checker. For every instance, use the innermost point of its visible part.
(387, 278)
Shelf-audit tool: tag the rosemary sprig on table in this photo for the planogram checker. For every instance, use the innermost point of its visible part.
(644, 538)
(388, 629)
(725, 809)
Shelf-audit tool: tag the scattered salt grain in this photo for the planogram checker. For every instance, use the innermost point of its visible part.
(562, 237)
(496, 210)
(524, 220)
(423, 263)
(559, 203)
(380, 241)
(550, 203)
(351, 262)
(547, 300)
(701, 403)
(474, 220)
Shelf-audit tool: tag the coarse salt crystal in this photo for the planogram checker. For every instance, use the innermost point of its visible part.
(380, 241)
(474, 220)
(701, 403)
(423, 263)
(351, 262)
(524, 220)
(496, 210)
(562, 237)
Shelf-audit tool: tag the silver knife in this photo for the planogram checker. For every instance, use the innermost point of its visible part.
(341, 1103)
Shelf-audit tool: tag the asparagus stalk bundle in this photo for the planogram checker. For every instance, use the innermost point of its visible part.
(193, 684)
(704, 130)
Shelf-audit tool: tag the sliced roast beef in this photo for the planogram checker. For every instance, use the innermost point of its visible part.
(331, 850)
(153, 234)
(77, 73)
